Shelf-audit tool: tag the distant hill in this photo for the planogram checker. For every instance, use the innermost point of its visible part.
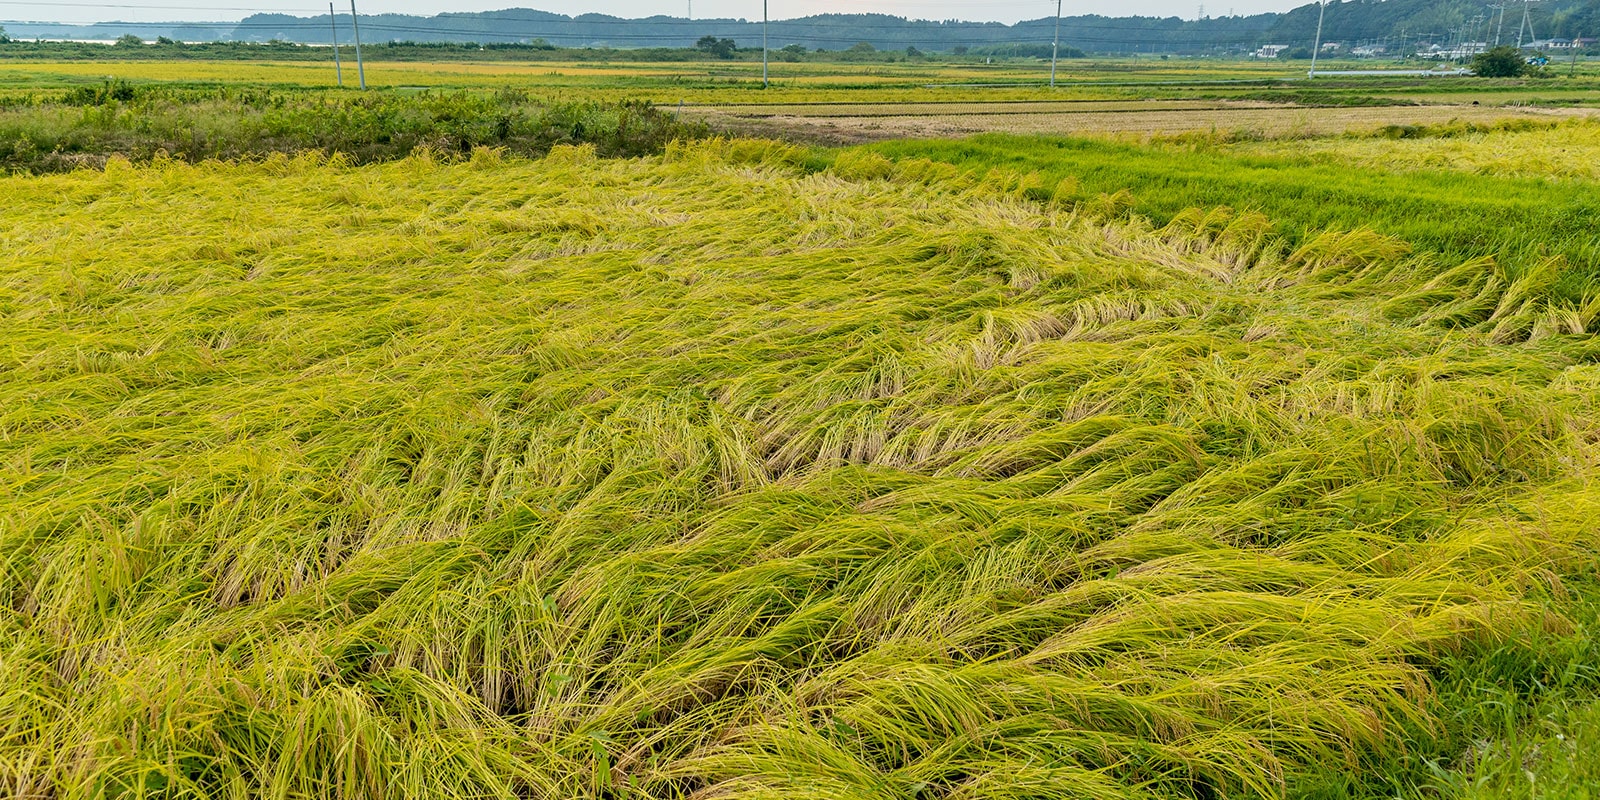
(109, 31)
(1390, 22)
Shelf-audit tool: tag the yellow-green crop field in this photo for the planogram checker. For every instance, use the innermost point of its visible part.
(739, 82)
(602, 75)
(1568, 151)
(1178, 467)
(711, 474)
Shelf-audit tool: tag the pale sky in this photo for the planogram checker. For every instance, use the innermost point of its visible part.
(1005, 11)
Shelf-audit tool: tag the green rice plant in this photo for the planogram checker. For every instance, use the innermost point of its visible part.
(717, 474)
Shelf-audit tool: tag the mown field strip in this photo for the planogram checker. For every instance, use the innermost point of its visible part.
(869, 110)
(1266, 120)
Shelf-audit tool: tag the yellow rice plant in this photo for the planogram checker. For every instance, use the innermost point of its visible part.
(710, 475)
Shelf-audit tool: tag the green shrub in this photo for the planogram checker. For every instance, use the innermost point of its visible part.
(1504, 61)
(89, 124)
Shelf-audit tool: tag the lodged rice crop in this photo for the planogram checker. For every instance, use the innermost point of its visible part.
(715, 475)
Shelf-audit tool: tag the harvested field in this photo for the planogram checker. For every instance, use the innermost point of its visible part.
(830, 124)
(868, 110)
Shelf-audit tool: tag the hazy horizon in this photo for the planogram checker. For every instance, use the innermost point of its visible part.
(1007, 12)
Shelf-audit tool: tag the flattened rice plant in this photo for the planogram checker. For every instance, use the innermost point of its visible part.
(706, 476)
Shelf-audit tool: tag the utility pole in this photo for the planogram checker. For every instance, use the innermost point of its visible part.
(1523, 25)
(1576, 42)
(1055, 46)
(1316, 48)
(338, 70)
(764, 82)
(1501, 24)
(361, 69)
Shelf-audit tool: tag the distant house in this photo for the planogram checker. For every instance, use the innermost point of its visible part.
(1331, 47)
(1270, 51)
(1369, 51)
(1560, 44)
(1460, 52)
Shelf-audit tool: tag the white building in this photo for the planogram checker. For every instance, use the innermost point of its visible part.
(1456, 53)
(1560, 44)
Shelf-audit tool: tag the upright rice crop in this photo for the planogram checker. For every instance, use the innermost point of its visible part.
(709, 475)
(1568, 151)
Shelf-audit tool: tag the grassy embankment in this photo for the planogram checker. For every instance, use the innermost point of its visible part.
(712, 473)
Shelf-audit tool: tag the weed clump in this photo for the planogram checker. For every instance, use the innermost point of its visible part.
(90, 124)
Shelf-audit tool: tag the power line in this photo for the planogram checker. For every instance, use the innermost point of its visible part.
(1087, 29)
(375, 22)
(495, 17)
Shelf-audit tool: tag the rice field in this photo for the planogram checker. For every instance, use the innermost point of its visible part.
(661, 82)
(738, 82)
(619, 74)
(727, 473)
(1568, 151)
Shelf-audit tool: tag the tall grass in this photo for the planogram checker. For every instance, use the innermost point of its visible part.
(84, 126)
(708, 475)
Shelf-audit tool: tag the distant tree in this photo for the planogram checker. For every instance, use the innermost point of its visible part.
(3, 37)
(1504, 61)
(721, 48)
(913, 52)
(166, 40)
(959, 50)
(128, 40)
(862, 48)
(793, 52)
(1298, 53)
